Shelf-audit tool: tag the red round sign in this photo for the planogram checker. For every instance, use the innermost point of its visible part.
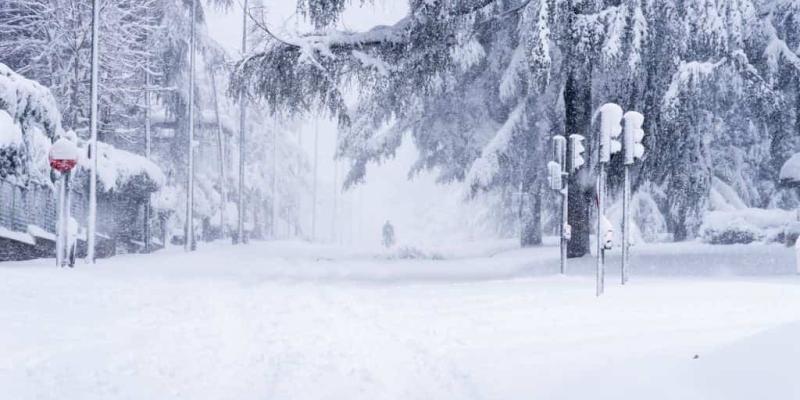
(63, 165)
(63, 155)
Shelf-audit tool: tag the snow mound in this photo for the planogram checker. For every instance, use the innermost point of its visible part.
(790, 171)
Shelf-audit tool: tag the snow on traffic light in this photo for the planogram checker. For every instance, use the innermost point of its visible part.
(633, 136)
(576, 152)
(610, 129)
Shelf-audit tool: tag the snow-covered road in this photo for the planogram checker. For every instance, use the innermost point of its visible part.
(295, 321)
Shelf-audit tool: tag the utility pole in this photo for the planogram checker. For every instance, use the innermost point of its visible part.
(334, 235)
(189, 244)
(221, 151)
(242, 118)
(314, 191)
(275, 202)
(92, 222)
(147, 145)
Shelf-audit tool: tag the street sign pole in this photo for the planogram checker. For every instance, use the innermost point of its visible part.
(63, 157)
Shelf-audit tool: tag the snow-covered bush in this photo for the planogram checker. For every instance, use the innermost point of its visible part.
(745, 226)
(730, 231)
(29, 120)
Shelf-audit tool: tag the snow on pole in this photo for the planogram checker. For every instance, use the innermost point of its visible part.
(242, 118)
(95, 65)
(189, 236)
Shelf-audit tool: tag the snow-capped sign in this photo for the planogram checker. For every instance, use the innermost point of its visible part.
(63, 155)
(610, 129)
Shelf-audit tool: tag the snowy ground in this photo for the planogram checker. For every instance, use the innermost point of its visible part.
(295, 321)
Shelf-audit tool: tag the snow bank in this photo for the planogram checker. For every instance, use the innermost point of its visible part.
(790, 171)
(745, 225)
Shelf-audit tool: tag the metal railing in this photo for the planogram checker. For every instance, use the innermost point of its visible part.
(34, 204)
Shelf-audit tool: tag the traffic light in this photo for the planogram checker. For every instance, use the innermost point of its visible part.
(633, 136)
(576, 152)
(610, 129)
(560, 151)
(554, 175)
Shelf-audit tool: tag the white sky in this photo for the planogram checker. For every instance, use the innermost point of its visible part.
(421, 210)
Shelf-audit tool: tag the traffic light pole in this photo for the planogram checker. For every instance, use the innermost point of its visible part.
(601, 252)
(626, 223)
(565, 234)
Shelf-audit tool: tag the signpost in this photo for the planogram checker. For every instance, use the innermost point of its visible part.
(63, 157)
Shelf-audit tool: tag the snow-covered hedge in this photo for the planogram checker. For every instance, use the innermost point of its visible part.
(745, 226)
(29, 120)
(119, 170)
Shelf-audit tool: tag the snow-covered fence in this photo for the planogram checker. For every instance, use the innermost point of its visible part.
(28, 217)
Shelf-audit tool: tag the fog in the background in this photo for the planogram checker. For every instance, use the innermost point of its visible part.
(421, 210)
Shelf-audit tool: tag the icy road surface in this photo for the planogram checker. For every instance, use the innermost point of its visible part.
(295, 321)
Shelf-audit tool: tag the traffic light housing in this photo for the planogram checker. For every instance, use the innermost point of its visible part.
(610, 130)
(577, 150)
(560, 151)
(633, 136)
(554, 175)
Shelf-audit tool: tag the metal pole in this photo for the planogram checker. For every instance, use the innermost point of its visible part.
(65, 259)
(600, 247)
(221, 151)
(626, 224)
(60, 238)
(275, 206)
(564, 223)
(189, 238)
(92, 222)
(242, 117)
(147, 146)
(334, 235)
(314, 192)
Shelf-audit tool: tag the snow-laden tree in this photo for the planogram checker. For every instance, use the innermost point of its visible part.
(478, 84)
(482, 85)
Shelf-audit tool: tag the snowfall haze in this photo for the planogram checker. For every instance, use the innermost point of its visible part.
(415, 199)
